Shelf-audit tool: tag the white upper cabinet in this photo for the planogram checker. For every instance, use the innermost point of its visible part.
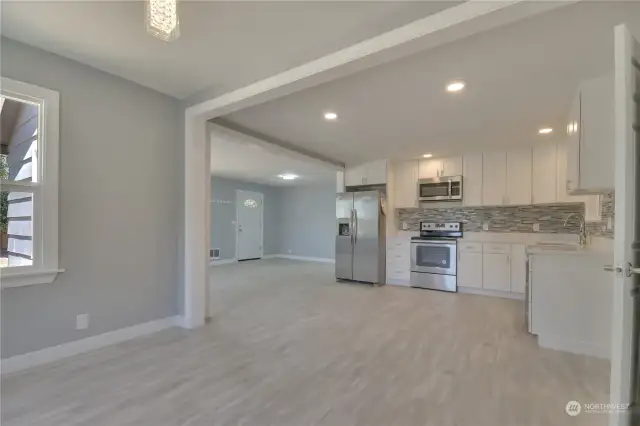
(451, 166)
(405, 184)
(472, 180)
(591, 202)
(590, 153)
(494, 178)
(519, 176)
(374, 173)
(439, 167)
(430, 168)
(544, 173)
(355, 176)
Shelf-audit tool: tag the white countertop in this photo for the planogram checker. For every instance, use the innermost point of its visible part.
(596, 246)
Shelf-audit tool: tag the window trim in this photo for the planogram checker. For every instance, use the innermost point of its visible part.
(45, 212)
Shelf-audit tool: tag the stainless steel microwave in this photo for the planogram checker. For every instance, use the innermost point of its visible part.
(443, 188)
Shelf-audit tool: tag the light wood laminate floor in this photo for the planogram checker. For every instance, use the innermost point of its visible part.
(289, 346)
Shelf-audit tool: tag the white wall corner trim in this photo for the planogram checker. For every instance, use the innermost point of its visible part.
(306, 258)
(55, 353)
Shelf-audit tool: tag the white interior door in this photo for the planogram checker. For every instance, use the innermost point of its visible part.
(250, 210)
(624, 351)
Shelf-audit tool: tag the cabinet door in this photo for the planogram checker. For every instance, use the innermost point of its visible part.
(597, 134)
(519, 176)
(544, 173)
(472, 180)
(355, 175)
(376, 173)
(470, 269)
(573, 147)
(518, 268)
(430, 168)
(562, 183)
(451, 166)
(406, 184)
(496, 272)
(494, 178)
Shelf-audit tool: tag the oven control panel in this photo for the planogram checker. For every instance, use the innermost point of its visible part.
(437, 226)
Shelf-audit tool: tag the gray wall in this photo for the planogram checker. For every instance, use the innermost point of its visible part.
(298, 220)
(121, 166)
(223, 215)
(309, 221)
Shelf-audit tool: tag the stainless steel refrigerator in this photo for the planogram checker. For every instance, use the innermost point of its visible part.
(360, 237)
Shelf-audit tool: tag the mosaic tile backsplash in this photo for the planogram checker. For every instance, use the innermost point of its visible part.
(551, 217)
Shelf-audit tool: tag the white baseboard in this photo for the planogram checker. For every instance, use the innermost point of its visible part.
(269, 256)
(574, 346)
(491, 293)
(222, 261)
(306, 258)
(55, 353)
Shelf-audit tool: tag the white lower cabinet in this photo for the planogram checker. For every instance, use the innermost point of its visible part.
(518, 268)
(492, 269)
(496, 271)
(398, 260)
(470, 269)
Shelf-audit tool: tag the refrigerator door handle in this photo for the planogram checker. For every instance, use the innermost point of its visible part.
(351, 225)
(355, 229)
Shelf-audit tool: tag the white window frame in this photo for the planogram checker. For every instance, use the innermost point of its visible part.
(44, 269)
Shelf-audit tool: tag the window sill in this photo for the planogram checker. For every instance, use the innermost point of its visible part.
(26, 278)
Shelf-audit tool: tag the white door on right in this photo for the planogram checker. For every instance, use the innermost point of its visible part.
(625, 374)
(250, 207)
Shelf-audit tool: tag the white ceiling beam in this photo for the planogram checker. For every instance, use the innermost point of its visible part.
(471, 17)
(245, 136)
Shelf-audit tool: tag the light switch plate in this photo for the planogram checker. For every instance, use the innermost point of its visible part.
(609, 222)
(82, 321)
(485, 226)
(536, 227)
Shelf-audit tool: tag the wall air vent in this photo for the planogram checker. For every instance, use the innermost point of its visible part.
(214, 253)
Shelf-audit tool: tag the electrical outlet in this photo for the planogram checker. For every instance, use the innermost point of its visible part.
(289, 251)
(485, 226)
(82, 321)
(536, 227)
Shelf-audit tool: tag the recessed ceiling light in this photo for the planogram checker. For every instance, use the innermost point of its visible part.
(288, 176)
(330, 115)
(428, 155)
(455, 86)
(545, 130)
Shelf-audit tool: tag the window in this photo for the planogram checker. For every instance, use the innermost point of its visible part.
(28, 184)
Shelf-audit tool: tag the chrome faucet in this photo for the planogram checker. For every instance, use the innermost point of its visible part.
(583, 228)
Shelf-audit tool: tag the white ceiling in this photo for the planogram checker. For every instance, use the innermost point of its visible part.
(223, 45)
(239, 159)
(519, 78)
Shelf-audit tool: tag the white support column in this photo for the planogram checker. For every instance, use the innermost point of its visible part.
(197, 183)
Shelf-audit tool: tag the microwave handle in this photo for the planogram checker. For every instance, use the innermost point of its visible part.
(450, 196)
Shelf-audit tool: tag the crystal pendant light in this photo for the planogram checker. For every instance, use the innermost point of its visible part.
(162, 19)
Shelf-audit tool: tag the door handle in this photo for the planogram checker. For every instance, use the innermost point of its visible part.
(355, 231)
(611, 268)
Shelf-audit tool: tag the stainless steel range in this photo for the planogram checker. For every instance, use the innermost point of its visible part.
(434, 256)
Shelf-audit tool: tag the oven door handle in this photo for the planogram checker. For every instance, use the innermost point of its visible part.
(434, 243)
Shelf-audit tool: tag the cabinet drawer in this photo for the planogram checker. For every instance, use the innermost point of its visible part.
(496, 248)
(400, 274)
(474, 247)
